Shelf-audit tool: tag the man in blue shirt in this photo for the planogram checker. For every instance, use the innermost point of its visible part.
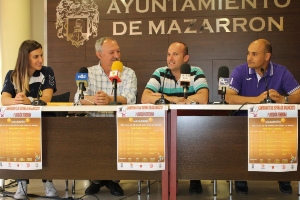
(248, 85)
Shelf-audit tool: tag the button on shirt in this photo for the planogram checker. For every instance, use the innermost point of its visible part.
(98, 80)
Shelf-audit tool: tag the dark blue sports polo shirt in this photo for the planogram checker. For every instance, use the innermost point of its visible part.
(245, 82)
(43, 78)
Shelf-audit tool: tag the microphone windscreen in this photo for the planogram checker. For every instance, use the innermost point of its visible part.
(185, 69)
(82, 76)
(83, 70)
(223, 72)
(117, 65)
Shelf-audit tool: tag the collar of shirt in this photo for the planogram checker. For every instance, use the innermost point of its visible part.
(269, 72)
(101, 69)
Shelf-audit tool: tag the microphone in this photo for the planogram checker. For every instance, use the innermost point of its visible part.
(268, 99)
(116, 71)
(185, 78)
(39, 102)
(81, 81)
(223, 78)
(162, 99)
(115, 77)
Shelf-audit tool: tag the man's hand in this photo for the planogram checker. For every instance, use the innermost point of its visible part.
(172, 99)
(274, 95)
(262, 96)
(101, 98)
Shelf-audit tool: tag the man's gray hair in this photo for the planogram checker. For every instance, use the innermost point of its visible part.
(99, 43)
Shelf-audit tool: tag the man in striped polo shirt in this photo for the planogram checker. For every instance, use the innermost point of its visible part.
(198, 89)
(166, 80)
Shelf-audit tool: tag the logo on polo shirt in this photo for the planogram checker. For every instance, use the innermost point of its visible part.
(248, 79)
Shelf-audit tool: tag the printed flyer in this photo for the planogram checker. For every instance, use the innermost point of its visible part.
(141, 137)
(21, 137)
(272, 137)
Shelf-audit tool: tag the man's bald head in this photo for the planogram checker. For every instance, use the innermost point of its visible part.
(265, 43)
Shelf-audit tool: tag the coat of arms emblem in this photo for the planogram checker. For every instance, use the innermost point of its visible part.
(77, 20)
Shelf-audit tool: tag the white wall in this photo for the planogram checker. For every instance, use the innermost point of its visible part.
(38, 30)
(19, 20)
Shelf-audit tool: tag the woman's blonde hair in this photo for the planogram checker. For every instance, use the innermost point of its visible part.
(20, 76)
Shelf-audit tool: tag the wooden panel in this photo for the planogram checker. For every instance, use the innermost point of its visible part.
(218, 153)
(207, 50)
(103, 6)
(80, 148)
(133, 48)
(191, 8)
(61, 50)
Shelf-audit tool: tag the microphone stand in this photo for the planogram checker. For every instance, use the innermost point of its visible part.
(185, 88)
(39, 102)
(81, 95)
(162, 99)
(115, 102)
(223, 96)
(268, 98)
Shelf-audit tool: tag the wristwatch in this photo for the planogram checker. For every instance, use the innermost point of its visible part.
(286, 99)
(30, 99)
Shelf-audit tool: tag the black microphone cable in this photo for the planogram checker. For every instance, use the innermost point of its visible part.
(11, 194)
(13, 183)
(162, 99)
(268, 99)
(163, 86)
(80, 198)
(234, 112)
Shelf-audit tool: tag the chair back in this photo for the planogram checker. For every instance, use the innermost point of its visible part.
(65, 97)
